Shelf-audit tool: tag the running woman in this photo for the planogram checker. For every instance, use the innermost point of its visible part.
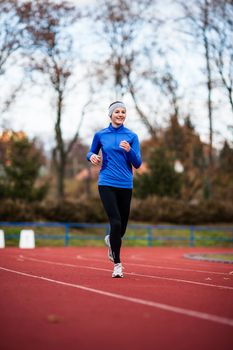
(120, 151)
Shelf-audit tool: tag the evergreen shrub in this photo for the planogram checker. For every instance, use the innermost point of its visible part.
(152, 210)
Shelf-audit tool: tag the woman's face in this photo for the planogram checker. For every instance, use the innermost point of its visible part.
(118, 116)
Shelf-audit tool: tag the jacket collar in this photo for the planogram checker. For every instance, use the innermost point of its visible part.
(112, 128)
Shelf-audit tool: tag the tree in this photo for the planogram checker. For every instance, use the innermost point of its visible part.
(174, 138)
(164, 82)
(198, 16)
(48, 26)
(22, 161)
(121, 26)
(135, 63)
(222, 44)
(184, 145)
(11, 41)
(161, 180)
(226, 159)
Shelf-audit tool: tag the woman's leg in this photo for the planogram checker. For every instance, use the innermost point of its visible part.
(124, 196)
(108, 197)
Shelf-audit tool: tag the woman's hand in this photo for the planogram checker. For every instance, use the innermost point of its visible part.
(95, 159)
(125, 145)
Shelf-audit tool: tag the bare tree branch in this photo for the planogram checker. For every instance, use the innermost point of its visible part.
(46, 23)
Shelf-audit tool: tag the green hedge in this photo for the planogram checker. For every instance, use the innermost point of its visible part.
(85, 210)
(150, 210)
(167, 210)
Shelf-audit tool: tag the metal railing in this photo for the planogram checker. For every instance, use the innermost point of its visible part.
(149, 234)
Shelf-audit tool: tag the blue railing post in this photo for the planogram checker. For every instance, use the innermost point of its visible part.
(66, 235)
(149, 236)
(191, 237)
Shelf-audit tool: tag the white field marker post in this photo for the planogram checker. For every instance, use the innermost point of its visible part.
(2, 239)
(27, 239)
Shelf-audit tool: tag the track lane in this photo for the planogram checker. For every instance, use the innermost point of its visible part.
(166, 307)
(96, 321)
(138, 273)
(197, 297)
(140, 326)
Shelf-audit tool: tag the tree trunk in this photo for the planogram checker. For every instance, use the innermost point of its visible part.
(150, 128)
(209, 82)
(60, 180)
(210, 105)
(60, 155)
(208, 192)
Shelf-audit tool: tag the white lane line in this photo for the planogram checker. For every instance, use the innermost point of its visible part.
(101, 259)
(131, 273)
(178, 269)
(178, 310)
(79, 257)
(182, 260)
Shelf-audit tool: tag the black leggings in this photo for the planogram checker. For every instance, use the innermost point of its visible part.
(116, 202)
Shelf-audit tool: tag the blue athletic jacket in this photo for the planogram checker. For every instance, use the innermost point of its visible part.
(116, 170)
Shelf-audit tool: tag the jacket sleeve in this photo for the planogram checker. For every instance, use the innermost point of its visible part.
(134, 153)
(95, 146)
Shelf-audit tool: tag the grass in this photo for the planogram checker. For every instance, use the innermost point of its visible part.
(214, 257)
(165, 237)
(226, 257)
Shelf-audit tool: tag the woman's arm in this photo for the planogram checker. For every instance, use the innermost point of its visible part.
(133, 151)
(92, 155)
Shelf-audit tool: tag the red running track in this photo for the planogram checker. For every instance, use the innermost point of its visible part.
(65, 298)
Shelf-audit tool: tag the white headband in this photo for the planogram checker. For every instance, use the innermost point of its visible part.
(115, 105)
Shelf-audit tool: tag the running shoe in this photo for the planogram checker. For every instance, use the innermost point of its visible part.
(117, 271)
(107, 242)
